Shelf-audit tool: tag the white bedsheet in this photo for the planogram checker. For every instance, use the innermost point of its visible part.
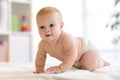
(10, 71)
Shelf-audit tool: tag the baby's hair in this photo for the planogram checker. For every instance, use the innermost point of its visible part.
(47, 10)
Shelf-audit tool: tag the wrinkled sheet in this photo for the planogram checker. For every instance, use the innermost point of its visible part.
(10, 71)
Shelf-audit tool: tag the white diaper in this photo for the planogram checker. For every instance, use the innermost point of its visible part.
(89, 45)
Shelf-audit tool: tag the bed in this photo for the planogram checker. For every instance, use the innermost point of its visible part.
(10, 71)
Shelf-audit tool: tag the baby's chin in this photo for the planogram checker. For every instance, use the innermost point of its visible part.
(49, 39)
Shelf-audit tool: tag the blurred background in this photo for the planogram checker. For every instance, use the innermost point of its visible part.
(98, 20)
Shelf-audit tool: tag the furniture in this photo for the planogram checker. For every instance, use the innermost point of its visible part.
(15, 30)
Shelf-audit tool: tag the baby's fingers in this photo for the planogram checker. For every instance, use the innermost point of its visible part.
(53, 70)
(36, 72)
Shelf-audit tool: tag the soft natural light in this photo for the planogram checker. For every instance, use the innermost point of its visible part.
(96, 20)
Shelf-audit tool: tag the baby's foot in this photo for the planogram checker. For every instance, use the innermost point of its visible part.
(106, 63)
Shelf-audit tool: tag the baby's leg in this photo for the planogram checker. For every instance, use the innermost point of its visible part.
(91, 60)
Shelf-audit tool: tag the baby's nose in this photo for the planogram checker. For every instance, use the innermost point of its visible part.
(47, 29)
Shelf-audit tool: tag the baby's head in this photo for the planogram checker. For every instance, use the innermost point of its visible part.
(48, 10)
(49, 22)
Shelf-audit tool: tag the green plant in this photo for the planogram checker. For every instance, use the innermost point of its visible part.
(114, 23)
(116, 2)
(115, 18)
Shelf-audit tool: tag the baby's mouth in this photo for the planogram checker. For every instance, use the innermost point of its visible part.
(48, 35)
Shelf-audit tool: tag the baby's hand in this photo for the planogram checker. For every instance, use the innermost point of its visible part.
(54, 69)
(37, 72)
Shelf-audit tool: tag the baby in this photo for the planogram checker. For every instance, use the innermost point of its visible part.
(70, 50)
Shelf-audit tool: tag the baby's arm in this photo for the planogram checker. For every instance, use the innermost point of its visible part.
(40, 59)
(71, 56)
(70, 51)
(65, 65)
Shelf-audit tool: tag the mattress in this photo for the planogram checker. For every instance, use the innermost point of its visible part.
(10, 71)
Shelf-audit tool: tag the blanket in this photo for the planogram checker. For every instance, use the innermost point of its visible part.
(10, 71)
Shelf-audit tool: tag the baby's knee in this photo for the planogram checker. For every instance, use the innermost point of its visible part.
(89, 68)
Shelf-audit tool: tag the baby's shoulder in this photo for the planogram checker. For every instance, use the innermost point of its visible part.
(67, 36)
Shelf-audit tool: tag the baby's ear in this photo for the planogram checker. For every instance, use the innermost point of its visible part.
(62, 24)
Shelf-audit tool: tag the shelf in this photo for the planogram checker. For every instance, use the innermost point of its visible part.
(21, 1)
(21, 33)
(15, 30)
(3, 16)
(4, 33)
(20, 10)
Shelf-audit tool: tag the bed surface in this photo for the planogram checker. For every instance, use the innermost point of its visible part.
(10, 71)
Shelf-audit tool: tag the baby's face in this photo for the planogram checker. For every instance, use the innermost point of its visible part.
(49, 26)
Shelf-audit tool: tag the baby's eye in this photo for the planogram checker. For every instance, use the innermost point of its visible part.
(41, 27)
(51, 25)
